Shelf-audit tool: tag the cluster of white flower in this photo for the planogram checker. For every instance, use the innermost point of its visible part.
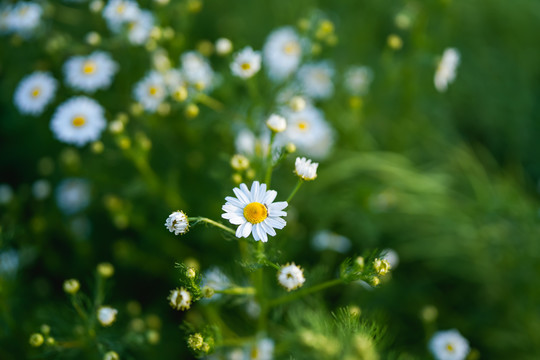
(125, 15)
(449, 345)
(21, 18)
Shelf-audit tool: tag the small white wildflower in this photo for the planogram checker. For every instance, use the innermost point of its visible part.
(316, 79)
(357, 79)
(263, 350)
(276, 123)
(140, 27)
(196, 69)
(291, 277)
(106, 315)
(150, 91)
(446, 70)
(41, 189)
(216, 279)
(73, 195)
(246, 63)
(449, 345)
(282, 53)
(180, 299)
(391, 256)
(90, 73)
(305, 169)
(24, 17)
(223, 46)
(35, 92)
(327, 240)
(177, 222)
(120, 12)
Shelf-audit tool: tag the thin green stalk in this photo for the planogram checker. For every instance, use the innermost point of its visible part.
(196, 220)
(258, 278)
(286, 298)
(269, 165)
(78, 308)
(298, 184)
(238, 342)
(210, 102)
(237, 291)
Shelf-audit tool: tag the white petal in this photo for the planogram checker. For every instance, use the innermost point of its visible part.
(275, 222)
(241, 195)
(262, 193)
(247, 229)
(246, 192)
(269, 197)
(278, 205)
(237, 220)
(255, 233)
(232, 209)
(234, 201)
(255, 191)
(268, 229)
(276, 213)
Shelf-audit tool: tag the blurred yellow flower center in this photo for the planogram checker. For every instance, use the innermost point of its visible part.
(291, 48)
(254, 353)
(449, 347)
(78, 121)
(89, 67)
(303, 125)
(36, 92)
(245, 66)
(153, 90)
(120, 9)
(255, 212)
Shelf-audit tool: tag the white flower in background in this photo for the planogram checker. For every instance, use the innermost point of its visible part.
(308, 130)
(282, 53)
(90, 73)
(391, 256)
(291, 277)
(305, 169)
(223, 46)
(196, 69)
(106, 315)
(316, 79)
(180, 299)
(120, 12)
(173, 80)
(276, 123)
(5, 10)
(6, 194)
(449, 345)
(446, 70)
(328, 240)
(140, 27)
(215, 279)
(255, 212)
(24, 17)
(357, 79)
(35, 92)
(151, 91)
(9, 263)
(263, 350)
(41, 189)
(248, 144)
(78, 121)
(246, 63)
(177, 222)
(73, 195)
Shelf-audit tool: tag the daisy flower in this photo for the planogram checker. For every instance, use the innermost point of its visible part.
(223, 46)
(254, 211)
(263, 350)
(78, 121)
(446, 70)
(449, 345)
(248, 144)
(151, 91)
(196, 69)
(291, 277)
(276, 123)
(282, 53)
(119, 12)
(24, 17)
(177, 222)
(316, 79)
(35, 92)
(357, 79)
(73, 195)
(305, 169)
(106, 315)
(90, 73)
(180, 299)
(246, 63)
(140, 27)
(327, 240)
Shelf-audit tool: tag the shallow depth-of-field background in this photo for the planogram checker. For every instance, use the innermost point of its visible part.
(448, 180)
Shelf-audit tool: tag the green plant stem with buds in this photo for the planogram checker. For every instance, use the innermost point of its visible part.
(200, 219)
(269, 165)
(300, 293)
(298, 184)
(249, 290)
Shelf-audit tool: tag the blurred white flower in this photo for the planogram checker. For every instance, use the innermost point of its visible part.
(24, 17)
(316, 79)
(73, 195)
(449, 345)
(446, 70)
(223, 46)
(173, 80)
(357, 79)
(282, 53)
(90, 73)
(41, 189)
(291, 277)
(248, 144)
(177, 222)
(305, 169)
(197, 70)
(6, 194)
(255, 211)
(106, 315)
(391, 256)
(246, 63)
(150, 91)
(328, 240)
(263, 350)
(215, 279)
(120, 12)
(35, 92)
(180, 299)
(140, 27)
(78, 121)
(276, 123)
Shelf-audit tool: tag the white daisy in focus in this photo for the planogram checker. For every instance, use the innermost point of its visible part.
(90, 73)
(120, 12)
(291, 277)
(177, 222)
(35, 92)
(255, 212)
(357, 79)
(106, 315)
(150, 91)
(246, 63)
(446, 70)
(328, 240)
(140, 27)
(449, 345)
(263, 350)
(78, 121)
(73, 195)
(305, 169)
(180, 299)
(316, 79)
(282, 53)
(196, 69)
(24, 17)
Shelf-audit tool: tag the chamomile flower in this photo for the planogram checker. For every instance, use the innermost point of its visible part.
(35, 92)
(90, 73)
(73, 195)
(446, 70)
(246, 63)
(140, 27)
(24, 17)
(316, 79)
(106, 315)
(120, 12)
(180, 299)
(255, 211)
(357, 79)
(305, 169)
(282, 53)
(177, 222)
(248, 144)
(276, 123)
(449, 345)
(223, 46)
(150, 91)
(291, 277)
(78, 121)
(196, 69)
(327, 240)
(262, 350)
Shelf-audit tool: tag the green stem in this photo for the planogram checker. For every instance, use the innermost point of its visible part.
(258, 278)
(196, 220)
(78, 308)
(269, 165)
(237, 291)
(210, 102)
(286, 298)
(298, 184)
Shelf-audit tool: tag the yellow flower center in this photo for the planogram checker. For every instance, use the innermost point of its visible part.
(449, 347)
(291, 48)
(153, 90)
(121, 8)
(245, 66)
(78, 121)
(36, 92)
(255, 212)
(254, 353)
(303, 125)
(89, 67)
